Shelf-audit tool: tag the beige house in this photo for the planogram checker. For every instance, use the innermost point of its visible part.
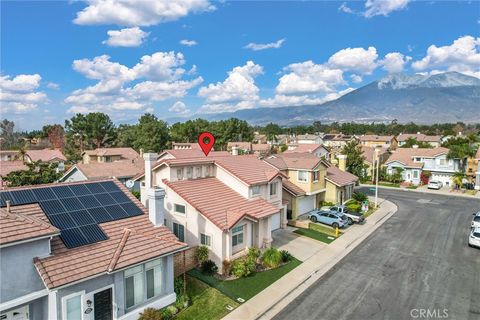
(318, 150)
(434, 141)
(109, 155)
(223, 201)
(312, 180)
(369, 158)
(369, 140)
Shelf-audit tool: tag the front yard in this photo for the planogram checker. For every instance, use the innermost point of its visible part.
(318, 232)
(246, 287)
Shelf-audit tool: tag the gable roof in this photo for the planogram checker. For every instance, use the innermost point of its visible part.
(220, 204)
(9, 166)
(304, 147)
(292, 188)
(295, 160)
(369, 153)
(339, 177)
(419, 137)
(45, 155)
(372, 137)
(307, 136)
(127, 153)
(23, 223)
(407, 155)
(104, 170)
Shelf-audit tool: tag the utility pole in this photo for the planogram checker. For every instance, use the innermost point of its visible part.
(377, 158)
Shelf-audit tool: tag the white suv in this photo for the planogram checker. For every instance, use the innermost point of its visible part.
(437, 185)
(474, 239)
(476, 220)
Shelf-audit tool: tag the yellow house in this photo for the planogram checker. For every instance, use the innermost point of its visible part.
(369, 158)
(371, 140)
(312, 180)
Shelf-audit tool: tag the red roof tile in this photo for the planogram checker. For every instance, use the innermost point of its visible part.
(339, 177)
(218, 203)
(9, 166)
(45, 155)
(419, 137)
(292, 188)
(304, 147)
(407, 155)
(295, 160)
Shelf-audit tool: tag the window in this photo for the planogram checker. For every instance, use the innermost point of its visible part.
(179, 208)
(143, 282)
(179, 231)
(302, 176)
(198, 172)
(237, 236)
(443, 162)
(315, 176)
(418, 159)
(134, 286)
(189, 172)
(108, 159)
(415, 174)
(73, 307)
(273, 188)
(208, 171)
(255, 190)
(179, 174)
(205, 240)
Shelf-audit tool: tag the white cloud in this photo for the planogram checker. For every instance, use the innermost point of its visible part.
(262, 46)
(355, 59)
(344, 8)
(53, 85)
(19, 95)
(188, 43)
(128, 37)
(383, 7)
(356, 78)
(463, 55)
(394, 62)
(157, 77)
(179, 107)
(238, 91)
(138, 12)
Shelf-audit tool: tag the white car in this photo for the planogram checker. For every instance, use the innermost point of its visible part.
(474, 239)
(476, 220)
(437, 185)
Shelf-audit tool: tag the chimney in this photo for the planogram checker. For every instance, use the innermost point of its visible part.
(8, 205)
(234, 151)
(156, 207)
(141, 152)
(150, 158)
(342, 162)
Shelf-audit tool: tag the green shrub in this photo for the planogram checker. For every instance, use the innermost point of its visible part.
(359, 196)
(354, 207)
(136, 194)
(227, 266)
(326, 204)
(167, 314)
(286, 256)
(271, 258)
(150, 314)
(243, 267)
(172, 309)
(209, 267)
(253, 253)
(202, 254)
(180, 302)
(178, 285)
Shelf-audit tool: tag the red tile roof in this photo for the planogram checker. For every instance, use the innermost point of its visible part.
(369, 153)
(22, 223)
(117, 169)
(143, 242)
(407, 155)
(127, 153)
(419, 137)
(372, 137)
(304, 147)
(339, 177)
(9, 166)
(292, 188)
(45, 155)
(295, 160)
(220, 204)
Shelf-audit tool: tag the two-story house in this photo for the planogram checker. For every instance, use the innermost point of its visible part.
(337, 140)
(226, 202)
(434, 141)
(414, 161)
(370, 140)
(308, 138)
(109, 155)
(318, 150)
(369, 158)
(312, 180)
(83, 251)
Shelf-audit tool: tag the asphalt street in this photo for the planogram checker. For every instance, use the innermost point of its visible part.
(417, 265)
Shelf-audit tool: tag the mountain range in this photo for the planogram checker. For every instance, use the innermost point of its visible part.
(427, 99)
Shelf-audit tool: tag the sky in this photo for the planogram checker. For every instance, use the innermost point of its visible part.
(184, 58)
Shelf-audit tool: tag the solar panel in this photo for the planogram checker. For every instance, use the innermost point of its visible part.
(77, 209)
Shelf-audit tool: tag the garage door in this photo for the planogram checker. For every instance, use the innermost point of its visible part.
(276, 221)
(444, 178)
(306, 204)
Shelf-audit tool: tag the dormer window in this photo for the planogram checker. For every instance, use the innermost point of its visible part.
(418, 159)
(198, 172)
(255, 190)
(180, 174)
(189, 172)
(273, 188)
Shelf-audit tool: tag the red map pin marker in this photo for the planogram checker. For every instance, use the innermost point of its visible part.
(206, 147)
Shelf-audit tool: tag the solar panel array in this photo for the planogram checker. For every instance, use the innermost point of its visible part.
(77, 209)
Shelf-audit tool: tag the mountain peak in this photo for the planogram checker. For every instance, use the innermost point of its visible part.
(440, 80)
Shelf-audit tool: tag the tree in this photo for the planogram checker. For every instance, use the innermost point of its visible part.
(272, 130)
(189, 131)
(151, 134)
(355, 158)
(7, 134)
(37, 173)
(101, 130)
(126, 135)
(397, 175)
(55, 134)
(414, 142)
(457, 179)
(232, 129)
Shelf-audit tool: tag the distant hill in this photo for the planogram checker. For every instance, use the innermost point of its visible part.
(446, 97)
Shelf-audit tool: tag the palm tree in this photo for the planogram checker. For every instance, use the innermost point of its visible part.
(457, 179)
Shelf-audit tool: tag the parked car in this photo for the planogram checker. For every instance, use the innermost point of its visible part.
(329, 217)
(476, 220)
(352, 216)
(474, 239)
(437, 185)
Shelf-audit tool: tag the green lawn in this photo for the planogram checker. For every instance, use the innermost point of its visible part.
(206, 302)
(371, 210)
(323, 229)
(247, 287)
(314, 235)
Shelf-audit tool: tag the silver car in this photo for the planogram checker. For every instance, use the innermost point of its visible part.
(476, 220)
(437, 185)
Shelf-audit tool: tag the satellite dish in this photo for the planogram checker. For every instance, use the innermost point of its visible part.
(130, 184)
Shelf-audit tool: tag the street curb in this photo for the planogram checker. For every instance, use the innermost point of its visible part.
(313, 276)
(477, 196)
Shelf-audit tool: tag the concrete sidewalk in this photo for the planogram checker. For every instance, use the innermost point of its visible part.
(423, 189)
(277, 296)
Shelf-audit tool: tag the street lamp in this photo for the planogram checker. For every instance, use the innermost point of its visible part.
(377, 160)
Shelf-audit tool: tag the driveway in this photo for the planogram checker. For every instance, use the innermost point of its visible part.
(418, 261)
(301, 247)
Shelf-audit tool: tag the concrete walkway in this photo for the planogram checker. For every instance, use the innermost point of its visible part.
(423, 189)
(301, 247)
(277, 296)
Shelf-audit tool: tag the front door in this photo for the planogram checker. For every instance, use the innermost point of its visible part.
(102, 305)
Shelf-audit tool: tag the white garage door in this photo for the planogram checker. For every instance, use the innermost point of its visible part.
(306, 204)
(444, 178)
(276, 221)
